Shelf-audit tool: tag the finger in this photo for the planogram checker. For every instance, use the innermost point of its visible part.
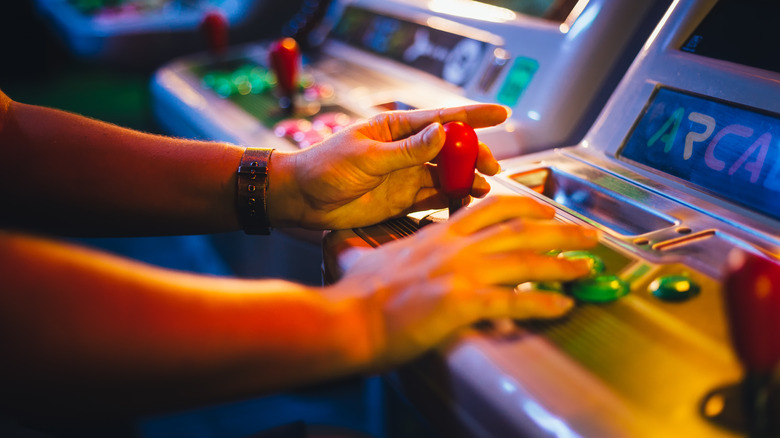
(476, 116)
(486, 163)
(501, 303)
(414, 150)
(401, 124)
(534, 235)
(512, 268)
(480, 187)
(430, 197)
(497, 209)
(416, 145)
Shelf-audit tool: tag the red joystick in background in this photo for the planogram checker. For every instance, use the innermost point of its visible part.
(215, 26)
(284, 58)
(456, 162)
(752, 298)
(753, 307)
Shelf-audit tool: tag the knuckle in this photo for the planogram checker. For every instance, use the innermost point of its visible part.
(453, 114)
(407, 147)
(514, 226)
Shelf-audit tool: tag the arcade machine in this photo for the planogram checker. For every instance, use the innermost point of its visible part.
(675, 333)
(552, 62)
(149, 32)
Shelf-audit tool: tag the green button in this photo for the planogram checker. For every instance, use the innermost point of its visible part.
(674, 288)
(599, 289)
(596, 263)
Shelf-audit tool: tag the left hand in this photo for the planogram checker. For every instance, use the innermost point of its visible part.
(415, 292)
(374, 170)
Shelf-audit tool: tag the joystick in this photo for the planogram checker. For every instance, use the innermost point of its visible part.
(456, 162)
(284, 58)
(752, 298)
(215, 27)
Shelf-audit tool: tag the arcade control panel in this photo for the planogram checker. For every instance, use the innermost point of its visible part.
(675, 332)
(368, 56)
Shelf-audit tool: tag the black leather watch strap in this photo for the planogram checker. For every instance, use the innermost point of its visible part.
(252, 188)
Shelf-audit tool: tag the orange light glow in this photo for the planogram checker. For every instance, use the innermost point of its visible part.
(289, 43)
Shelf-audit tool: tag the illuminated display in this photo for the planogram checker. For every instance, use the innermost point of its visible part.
(728, 150)
(134, 8)
(118, 6)
(555, 10)
(740, 31)
(449, 56)
(523, 69)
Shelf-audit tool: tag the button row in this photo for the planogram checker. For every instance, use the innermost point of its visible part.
(598, 287)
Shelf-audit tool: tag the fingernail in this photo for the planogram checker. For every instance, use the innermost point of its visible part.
(480, 188)
(562, 302)
(590, 234)
(508, 110)
(494, 169)
(432, 133)
(587, 265)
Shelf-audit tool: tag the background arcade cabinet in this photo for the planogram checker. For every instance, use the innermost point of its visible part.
(676, 331)
(146, 33)
(553, 62)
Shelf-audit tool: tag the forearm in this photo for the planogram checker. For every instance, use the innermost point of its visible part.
(105, 334)
(68, 174)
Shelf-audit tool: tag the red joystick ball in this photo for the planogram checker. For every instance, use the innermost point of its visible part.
(284, 57)
(457, 160)
(215, 26)
(752, 294)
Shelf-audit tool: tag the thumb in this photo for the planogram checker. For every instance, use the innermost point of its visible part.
(414, 150)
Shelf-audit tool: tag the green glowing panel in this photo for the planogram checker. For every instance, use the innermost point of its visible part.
(520, 75)
(250, 86)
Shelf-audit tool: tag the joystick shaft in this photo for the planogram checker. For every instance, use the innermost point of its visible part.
(284, 59)
(215, 27)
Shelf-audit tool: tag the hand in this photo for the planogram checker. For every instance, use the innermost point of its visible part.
(373, 170)
(420, 289)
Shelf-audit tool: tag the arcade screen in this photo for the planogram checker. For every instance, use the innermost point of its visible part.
(91, 7)
(739, 31)
(728, 150)
(555, 10)
(450, 56)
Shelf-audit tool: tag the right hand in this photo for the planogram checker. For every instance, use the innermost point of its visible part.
(420, 289)
(373, 170)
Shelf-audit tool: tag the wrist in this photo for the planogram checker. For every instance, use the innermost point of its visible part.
(284, 198)
(355, 329)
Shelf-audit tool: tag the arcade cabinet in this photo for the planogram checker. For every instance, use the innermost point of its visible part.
(146, 33)
(675, 331)
(553, 62)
